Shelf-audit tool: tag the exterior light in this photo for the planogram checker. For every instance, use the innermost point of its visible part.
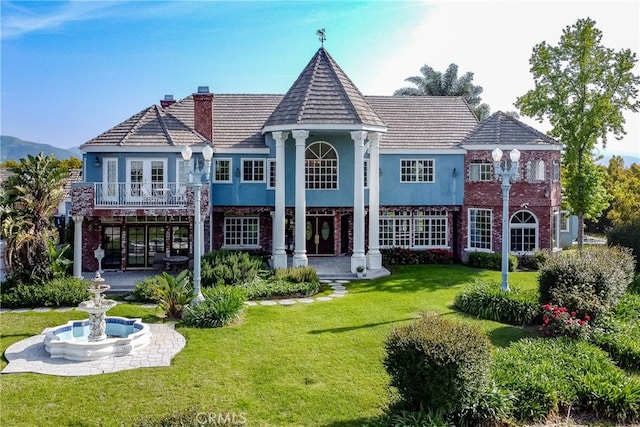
(207, 153)
(496, 154)
(514, 155)
(186, 153)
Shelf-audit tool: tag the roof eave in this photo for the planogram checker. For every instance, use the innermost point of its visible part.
(324, 127)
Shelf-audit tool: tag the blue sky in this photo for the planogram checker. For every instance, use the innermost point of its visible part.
(72, 70)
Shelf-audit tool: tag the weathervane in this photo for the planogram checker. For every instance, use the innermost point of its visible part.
(321, 36)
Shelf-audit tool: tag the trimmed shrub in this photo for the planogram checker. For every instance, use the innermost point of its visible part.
(232, 268)
(265, 289)
(590, 281)
(403, 256)
(491, 261)
(438, 363)
(297, 274)
(627, 235)
(68, 291)
(488, 301)
(147, 290)
(546, 375)
(222, 305)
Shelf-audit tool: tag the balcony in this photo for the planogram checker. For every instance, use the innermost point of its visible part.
(136, 195)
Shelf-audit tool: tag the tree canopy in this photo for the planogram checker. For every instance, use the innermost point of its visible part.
(435, 83)
(582, 88)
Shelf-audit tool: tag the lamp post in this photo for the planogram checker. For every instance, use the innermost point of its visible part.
(207, 153)
(505, 174)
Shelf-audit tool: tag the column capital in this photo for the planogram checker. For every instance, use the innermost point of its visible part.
(374, 138)
(77, 218)
(359, 136)
(280, 136)
(300, 136)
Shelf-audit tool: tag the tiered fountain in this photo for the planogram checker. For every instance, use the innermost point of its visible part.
(99, 336)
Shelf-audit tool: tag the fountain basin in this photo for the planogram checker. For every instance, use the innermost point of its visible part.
(70, 341)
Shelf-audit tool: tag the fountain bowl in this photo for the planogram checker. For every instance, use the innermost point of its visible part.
(70, 341)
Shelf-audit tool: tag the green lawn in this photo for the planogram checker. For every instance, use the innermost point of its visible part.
(304, 365)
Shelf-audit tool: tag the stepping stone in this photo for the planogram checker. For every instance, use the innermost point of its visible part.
(287, 302)
(21, 310)
(268, 302)
(305, 300)
(338, 287)
(63, 309)
(325, 281)
(336, 295)
(42, 309)
(342, 281)
(251, 303)
(324, 299)
(340, 291)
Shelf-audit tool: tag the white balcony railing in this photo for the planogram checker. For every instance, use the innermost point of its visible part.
(137, 194)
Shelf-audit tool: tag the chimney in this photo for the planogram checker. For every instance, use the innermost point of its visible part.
(203, 112)
(167, 101)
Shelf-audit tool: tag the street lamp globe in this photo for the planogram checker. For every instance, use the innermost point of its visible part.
(186, 153)
(514, 155)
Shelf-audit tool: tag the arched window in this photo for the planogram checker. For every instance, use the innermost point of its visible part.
(321, 167)
(524, 232)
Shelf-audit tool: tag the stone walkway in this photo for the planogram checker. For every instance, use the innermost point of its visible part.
(336, 285)
(29, 355)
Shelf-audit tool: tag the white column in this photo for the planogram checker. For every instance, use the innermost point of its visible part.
(77, 246)
(358, 258)
(279, 254)
(300, 253)
(374, 258)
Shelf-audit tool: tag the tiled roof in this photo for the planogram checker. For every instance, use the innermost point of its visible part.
(501, 129)
(423, 121)
(323, 94)
(150, 127)
(75, 175)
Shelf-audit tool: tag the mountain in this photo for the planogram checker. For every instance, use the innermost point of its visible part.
(628, 160)
(12, 148)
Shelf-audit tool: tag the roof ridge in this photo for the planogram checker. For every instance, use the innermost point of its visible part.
(135, 126)
(527, 127)
(332, 69)
(160, 113)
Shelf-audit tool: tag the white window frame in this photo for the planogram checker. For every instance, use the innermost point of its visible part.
(480, 171)
(214, 175)
(110, 184)
(271, 173)
(243, 223)
(432, 220)
(253, 162)
(469, 230)
(147, 178)
(322, 182)
(556, 170)
(401, 228)
(183, 169)
(412, 171)
(565, 217)
(522, 226)
(536, 170)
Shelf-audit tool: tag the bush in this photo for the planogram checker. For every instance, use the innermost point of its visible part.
(546, 375)
(68, 291)
(147, 290)
(222, 305)
(627, 235)
(491, 261)
(438, 363)
(229, 268)
(489, 301)
(493, 408)
(265, 289)
(403, 418)
(174, 293)
(559, 322)
(634, 287)
(297, 274)
(402, 256)
(590, 281)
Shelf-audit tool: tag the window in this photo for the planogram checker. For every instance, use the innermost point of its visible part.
(252, 170)
(480, 170)
(222, 170)
(180, 240)
(271, 173)
(564, 221)
(556, 170)
(145, 177)
(183, 167)
(523, 232)
(110, 179)
(480, 229)
(416, 170)
(366, 173)
(422, 229)
(535, 171)
(321, 167)
(241, 231)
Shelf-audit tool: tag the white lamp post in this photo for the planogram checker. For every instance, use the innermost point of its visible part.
(207, 153)
(505, 175)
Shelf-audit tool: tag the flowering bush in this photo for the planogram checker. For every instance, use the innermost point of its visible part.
(402, 256)
(558, 321)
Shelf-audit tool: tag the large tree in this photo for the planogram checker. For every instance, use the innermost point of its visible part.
(28, 200)
(435, 83)
(582, 87)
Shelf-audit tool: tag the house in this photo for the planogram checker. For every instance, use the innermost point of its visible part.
(320, 171)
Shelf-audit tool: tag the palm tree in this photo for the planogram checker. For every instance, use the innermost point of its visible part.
(435, 83)
(28, 200)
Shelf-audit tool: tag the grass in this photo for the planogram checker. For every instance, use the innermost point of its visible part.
(311, 365)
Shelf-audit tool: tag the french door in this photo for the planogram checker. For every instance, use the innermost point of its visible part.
(145, 177)
(143, 242)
